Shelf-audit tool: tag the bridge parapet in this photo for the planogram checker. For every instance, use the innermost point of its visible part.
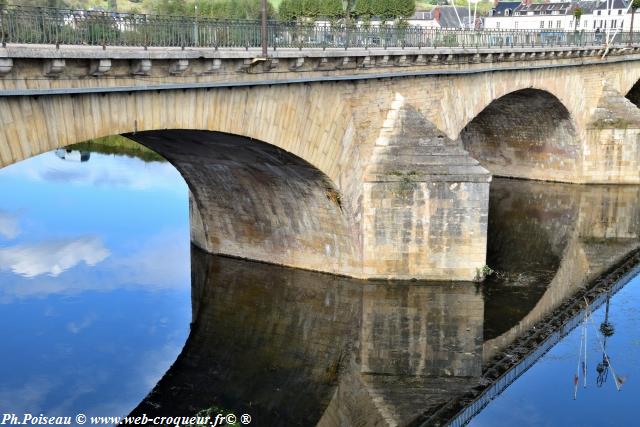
(25, 68)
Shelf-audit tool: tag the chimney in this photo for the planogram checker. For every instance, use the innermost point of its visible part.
(495, 3)
(436, 14)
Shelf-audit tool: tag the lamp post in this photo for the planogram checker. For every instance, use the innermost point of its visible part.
(263, 29)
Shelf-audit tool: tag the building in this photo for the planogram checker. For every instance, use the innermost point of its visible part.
(603, 15)
(530, 16)
(596, 15)
(442, 17)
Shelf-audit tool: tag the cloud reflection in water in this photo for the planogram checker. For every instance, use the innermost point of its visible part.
(52, 257)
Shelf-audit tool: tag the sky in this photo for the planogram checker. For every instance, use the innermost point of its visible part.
(94, 282)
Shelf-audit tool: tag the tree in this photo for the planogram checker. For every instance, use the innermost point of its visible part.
(386, 9)
(311, 8)
(331, 8)
(405, 8)
(364, 8)
(634, 5)
(290, 10)
(577, 14)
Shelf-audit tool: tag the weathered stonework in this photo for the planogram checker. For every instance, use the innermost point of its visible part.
(425, 202)
(412, 207)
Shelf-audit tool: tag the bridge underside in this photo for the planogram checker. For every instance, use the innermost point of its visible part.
(253, 200)
(525, 134)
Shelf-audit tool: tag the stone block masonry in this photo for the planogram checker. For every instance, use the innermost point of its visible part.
(367, 174)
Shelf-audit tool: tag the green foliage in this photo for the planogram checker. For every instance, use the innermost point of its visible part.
(635, 4)
(577, 13)
(220, 9)
(387, 9)
(331, 8)
(118, 145)
(291, 10)
(483, 273)
(364, 8)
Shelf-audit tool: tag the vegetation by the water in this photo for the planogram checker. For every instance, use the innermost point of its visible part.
(483, 273)
(117, 144)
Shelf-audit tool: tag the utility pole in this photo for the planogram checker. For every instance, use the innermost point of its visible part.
(263, 31)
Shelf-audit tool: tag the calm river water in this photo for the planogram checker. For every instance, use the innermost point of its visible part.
(107, 310)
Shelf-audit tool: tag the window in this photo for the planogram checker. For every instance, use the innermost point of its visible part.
(613, 23)
(558, 24)
(498, 24)
(599, 12)
(515, 25)
(594, 24)
(507, 12)
(601, 21)
(621, 23)
(541, 24)
(620, 13)
(550, 24)
(585, 24)
(605, 24)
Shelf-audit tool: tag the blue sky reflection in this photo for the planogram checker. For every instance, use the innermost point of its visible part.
(94, 282)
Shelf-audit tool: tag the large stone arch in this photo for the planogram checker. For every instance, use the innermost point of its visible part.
(527, 133)
(291, 117)
(281, 202)
(253, 200)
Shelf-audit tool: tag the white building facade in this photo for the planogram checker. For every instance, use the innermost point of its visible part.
(596, 15)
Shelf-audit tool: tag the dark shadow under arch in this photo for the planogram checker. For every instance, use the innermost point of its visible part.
(253, 200)
(634, 94)
(528, 133)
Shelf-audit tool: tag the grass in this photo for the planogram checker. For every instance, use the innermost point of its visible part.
(120, 145)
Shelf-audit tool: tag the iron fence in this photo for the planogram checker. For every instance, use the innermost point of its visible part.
(36, 25)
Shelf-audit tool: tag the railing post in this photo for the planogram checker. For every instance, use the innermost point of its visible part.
(263, 29)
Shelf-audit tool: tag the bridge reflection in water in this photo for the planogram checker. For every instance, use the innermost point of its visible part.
(294, 347)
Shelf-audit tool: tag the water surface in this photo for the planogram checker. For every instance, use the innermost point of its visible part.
(99, 285)
(94, 281)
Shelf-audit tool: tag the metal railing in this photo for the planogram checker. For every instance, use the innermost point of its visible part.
(35, 25)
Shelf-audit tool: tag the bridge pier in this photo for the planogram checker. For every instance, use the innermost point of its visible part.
(612, 150)
(425, 203)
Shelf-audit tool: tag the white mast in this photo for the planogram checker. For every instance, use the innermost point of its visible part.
(455, 9)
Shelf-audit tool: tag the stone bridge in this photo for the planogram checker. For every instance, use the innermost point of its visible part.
(313, 349)
(370, 163)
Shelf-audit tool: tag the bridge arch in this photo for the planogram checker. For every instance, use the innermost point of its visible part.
(279, 203)
(527, 133)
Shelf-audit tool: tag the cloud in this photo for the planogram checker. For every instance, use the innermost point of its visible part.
(9, 226)
(162, 261)
(28, 397)
(77, 327)
(101, 170)
(159, 263)
(53, 257)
